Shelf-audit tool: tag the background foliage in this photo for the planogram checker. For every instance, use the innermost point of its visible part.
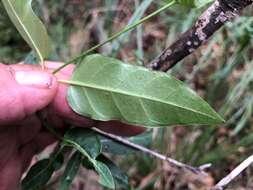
(220, 71)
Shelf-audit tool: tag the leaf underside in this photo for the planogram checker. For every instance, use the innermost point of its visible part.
(106, 89)
(29, 26)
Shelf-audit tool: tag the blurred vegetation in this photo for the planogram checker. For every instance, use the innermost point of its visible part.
(221, 71)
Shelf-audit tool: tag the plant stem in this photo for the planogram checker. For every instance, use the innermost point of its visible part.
(128, 28)
(172, 162)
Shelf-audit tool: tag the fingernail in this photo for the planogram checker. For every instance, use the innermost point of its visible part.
(34, 79)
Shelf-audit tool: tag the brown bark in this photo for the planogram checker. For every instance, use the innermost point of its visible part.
(213, 18)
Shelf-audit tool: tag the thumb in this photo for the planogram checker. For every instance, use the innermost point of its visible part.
(23, 91)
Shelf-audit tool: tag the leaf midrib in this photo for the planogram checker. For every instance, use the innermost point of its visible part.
(26, 31)
(81, 84)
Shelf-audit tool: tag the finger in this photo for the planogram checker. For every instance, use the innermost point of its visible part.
(60, 104)
(61, 108)
(44, 139)
(52, 65)
(8, 145)
(49, 66)
(26, 154)
(59, 111)
(40, 142)
(10, 173)
(28, 129)
(119, 128)
(23, 92)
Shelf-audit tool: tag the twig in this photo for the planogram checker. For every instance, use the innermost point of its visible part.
(208, 23)
(239, 169)
(172, 162)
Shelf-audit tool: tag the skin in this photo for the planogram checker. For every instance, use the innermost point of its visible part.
(26, 90)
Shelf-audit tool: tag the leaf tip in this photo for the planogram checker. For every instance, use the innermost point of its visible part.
(218, 119)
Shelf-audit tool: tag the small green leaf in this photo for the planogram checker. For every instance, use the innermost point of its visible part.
(119, 176)
(106, 178)
(86, 139)
(105, 89)
(113, 147)
(193, 3)
(29, 26)
(87, 142)
(41, 172)
(71, 171)
(38, 176)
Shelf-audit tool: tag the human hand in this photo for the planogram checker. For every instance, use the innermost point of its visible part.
(24, 91)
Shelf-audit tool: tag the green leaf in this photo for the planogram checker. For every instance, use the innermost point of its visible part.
(38, 176)
(113, 147)
(119, 176)
(106, 178)
(71, 171)
(87, 142)
(29, 26)
(41, 172)
(86, 139)
(193, 3)
(105, 89)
